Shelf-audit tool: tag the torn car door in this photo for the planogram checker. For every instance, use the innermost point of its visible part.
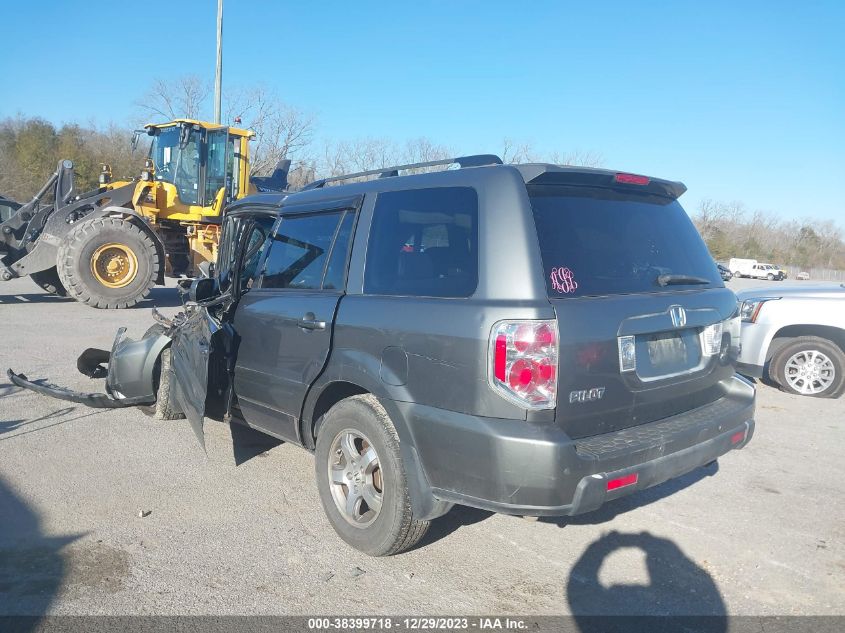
(190, 353)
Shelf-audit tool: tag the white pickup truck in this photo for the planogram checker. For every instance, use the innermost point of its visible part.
(755, 270)
(796, 337)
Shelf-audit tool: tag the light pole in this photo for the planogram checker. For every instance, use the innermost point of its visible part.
(218, 76)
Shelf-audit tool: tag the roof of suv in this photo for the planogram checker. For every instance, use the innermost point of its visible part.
(531, 173)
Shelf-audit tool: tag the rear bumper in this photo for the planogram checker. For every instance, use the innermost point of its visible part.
(514, 467)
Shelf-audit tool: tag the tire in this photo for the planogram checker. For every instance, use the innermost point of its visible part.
(79, 251)
(165, 407)
(787, 364)
(392, 528)
(48, 280)
(770, 277)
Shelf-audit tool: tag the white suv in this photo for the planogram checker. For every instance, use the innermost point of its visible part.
(795, 336)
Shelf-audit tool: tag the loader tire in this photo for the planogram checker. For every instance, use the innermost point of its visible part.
(48, 280)
(108, 263)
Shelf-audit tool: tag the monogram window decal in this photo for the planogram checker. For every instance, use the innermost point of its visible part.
(563, 280)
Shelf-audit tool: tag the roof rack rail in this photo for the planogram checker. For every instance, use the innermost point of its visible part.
(476, 160)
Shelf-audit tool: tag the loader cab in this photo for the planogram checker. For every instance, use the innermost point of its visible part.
(206, 164)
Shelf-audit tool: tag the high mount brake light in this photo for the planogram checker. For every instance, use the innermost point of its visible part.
(523, 362)
(632, 179)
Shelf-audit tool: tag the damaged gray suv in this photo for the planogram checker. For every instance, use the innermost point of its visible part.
(532, 339)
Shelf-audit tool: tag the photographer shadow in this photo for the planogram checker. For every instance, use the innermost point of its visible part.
(680, 595)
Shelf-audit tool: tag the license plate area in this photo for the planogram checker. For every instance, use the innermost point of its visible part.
(667, 354)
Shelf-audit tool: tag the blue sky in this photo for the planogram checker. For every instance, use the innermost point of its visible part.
(741, 101)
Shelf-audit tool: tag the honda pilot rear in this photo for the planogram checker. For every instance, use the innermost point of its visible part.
(631, 383)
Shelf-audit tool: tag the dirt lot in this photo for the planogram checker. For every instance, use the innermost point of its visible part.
(763, 533)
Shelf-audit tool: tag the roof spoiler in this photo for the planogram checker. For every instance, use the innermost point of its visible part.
(540, 174)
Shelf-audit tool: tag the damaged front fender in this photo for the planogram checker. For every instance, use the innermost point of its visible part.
(132, 365)
(131, 374)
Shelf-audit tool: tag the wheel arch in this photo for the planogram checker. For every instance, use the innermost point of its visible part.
(788, 332)
(330, 392)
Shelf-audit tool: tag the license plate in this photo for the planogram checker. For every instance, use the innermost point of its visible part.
(666, 350)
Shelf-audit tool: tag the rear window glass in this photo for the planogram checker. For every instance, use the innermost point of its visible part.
(424, 242)
(600, 242)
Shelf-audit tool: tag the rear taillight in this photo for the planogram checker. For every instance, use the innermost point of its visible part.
(711, 339)
(523, 362)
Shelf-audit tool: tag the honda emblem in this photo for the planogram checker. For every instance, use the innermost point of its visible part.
(679, 316)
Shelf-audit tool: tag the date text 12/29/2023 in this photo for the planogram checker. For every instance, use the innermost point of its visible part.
(417, 623)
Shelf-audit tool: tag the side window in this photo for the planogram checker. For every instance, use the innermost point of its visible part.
(228, 251)
(299, 251)
(335, 278)
(424, 242)
(254, 244)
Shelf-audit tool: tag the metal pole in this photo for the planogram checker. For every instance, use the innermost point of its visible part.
(218, 77)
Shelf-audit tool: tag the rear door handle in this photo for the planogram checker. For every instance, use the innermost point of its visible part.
(311, 324)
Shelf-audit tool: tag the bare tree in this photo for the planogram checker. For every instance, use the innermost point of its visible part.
(577, 157)
(365, 154)
(183, 97)
(281, 130)
(515, 152)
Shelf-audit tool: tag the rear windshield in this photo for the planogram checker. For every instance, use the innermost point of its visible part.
(600, 242)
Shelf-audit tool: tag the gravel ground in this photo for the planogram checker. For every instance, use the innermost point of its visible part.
(762, 533)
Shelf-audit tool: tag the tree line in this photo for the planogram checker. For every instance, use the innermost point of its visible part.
(730, 229)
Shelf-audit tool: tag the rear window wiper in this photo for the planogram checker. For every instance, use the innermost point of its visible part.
(677, 280)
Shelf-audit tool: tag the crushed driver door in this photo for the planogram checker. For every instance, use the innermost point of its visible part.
(191, 351)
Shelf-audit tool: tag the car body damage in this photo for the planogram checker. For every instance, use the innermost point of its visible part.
(134, 373)
(198, 359)
(130, 368)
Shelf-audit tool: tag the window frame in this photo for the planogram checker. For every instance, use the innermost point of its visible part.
(341, 206)
(372, 220)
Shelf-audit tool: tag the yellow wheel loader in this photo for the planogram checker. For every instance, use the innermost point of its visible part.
(108, 247)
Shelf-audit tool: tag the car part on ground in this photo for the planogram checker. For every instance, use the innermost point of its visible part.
(796, 338)
(108, 247)
(533, 339)
(132, 372)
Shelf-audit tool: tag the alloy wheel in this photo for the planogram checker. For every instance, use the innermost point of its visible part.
(355, 478)
(809, 372)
